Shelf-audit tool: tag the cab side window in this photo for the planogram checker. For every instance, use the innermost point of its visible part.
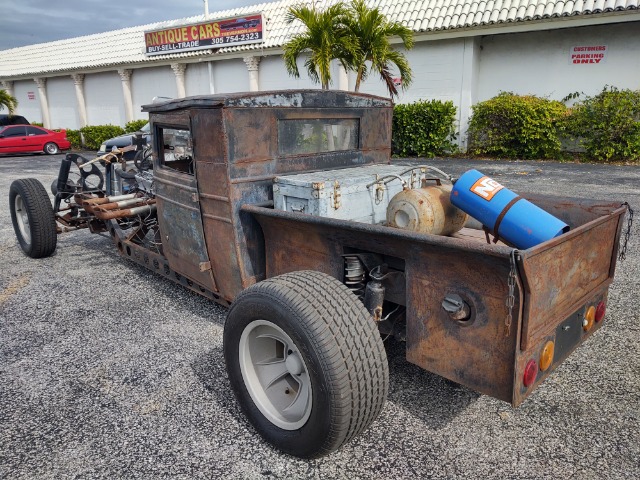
(175, 149)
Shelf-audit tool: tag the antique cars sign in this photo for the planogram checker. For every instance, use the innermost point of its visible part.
(210, 34)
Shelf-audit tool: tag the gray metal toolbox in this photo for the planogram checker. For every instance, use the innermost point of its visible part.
(360, 194)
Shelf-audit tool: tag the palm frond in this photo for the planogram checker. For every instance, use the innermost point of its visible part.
(8, 101)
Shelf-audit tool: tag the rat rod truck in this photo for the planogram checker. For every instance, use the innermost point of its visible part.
(271, 202)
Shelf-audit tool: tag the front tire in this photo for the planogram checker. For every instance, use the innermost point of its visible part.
(32, 217)
(306, 362)
(51, 148)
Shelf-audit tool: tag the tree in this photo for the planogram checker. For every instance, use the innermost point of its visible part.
(8, 101)
(371, 31)
(325, 39)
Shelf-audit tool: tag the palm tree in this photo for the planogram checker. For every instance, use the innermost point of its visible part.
(372, 31)
(8, 101)
(325, 39)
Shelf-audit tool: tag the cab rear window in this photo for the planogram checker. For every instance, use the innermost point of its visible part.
(300, 136)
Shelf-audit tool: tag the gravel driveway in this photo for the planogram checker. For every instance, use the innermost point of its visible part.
(109, 371)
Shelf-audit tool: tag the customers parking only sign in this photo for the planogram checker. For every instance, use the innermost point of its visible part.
(588, 54)
(210, 34)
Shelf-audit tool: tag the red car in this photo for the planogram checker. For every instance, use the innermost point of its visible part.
(29, 138)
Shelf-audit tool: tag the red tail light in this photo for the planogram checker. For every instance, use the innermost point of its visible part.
(600, 311)
(530, 373)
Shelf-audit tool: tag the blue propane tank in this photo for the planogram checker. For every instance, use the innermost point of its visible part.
(509, 216)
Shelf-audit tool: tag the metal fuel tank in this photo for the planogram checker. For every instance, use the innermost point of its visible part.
(426, 210)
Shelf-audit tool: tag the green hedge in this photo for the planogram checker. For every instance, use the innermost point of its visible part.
(96, 135)
(134, 126)
(607, 125)
(516, 126)
(423, 129)
(74, 137)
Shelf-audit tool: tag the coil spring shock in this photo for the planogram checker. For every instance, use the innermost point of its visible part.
(354, 276)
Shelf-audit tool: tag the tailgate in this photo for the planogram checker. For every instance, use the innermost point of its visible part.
(563, 278)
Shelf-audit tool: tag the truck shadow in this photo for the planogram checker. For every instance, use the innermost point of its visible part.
(434, 400)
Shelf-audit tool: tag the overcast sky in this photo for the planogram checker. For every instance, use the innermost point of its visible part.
(25, 22)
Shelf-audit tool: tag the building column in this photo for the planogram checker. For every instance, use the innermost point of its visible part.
(125, 77)
(469, 87)
(254, 74)
(212, 88)
(44, 101)
(178, 71)
(343, 78)
(78, 81)
(7, 85)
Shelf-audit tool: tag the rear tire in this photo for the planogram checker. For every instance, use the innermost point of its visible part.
(32, 217)
(306, 362)
(51, 148)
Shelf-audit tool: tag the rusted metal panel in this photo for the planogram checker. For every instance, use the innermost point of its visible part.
(560, 274)
(478, 352)
(181, 225)
(567, 333)
(260, 157)
(215, 203)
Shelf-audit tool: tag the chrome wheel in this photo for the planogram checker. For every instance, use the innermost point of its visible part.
(22, 218)
(51, 148)
(275, 374)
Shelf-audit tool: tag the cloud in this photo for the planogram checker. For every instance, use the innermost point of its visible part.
(37, 21)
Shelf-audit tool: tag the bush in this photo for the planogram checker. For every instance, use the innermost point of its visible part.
(95, 136)
(423, 128)
(74, 137)
(516, 126)
(607, 125)
(134, 125)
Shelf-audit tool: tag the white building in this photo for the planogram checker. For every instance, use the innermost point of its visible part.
(466, 51)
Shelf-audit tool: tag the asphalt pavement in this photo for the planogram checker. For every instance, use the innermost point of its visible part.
(110, 371)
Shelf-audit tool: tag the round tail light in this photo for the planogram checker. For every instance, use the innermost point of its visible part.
(589, 317)
(546, 357)
(530, 373)
(601, 309)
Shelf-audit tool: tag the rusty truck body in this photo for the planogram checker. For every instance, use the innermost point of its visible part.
(304, 350)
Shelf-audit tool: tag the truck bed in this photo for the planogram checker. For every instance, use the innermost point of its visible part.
(555, 283)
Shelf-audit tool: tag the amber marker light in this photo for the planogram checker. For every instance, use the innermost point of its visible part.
(589, 317)
(600, 311)
(546, 357)
(530, 373)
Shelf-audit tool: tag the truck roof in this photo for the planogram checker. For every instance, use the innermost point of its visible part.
(276, 98)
